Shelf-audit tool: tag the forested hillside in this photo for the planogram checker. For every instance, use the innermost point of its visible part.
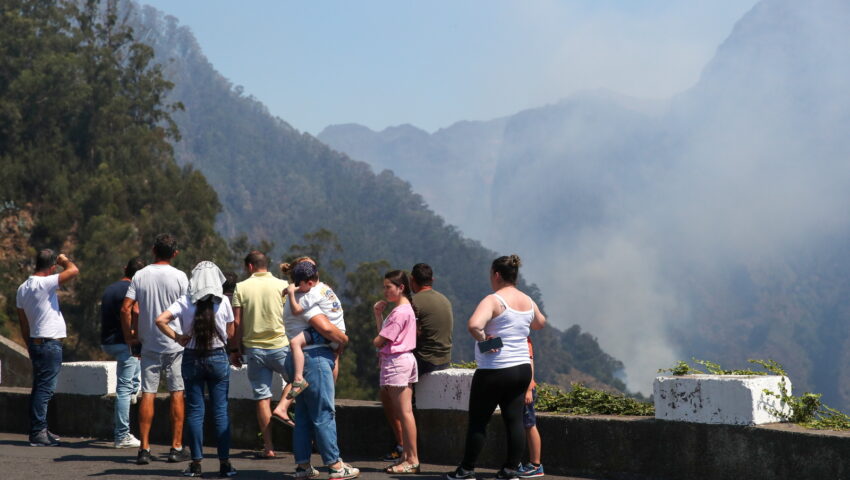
(277, 184)
(87, 164)
(90, 121)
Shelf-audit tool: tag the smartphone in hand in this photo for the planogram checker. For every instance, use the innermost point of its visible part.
(490, 344)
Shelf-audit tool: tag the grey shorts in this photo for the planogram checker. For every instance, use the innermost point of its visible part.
(154, 363)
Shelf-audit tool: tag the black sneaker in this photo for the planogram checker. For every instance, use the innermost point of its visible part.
(394, 455)
(144, 457)
(175, 456)
(507, 474)
(461, 474)
(225, 470)
(43, 439)
(193, 470)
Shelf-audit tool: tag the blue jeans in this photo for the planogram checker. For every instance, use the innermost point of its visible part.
(212, 370)
(314, 411)
(129, 382)
(46, 363)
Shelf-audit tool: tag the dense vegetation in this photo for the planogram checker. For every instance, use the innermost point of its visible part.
(87, 164)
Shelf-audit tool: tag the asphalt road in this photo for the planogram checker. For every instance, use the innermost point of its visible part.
(89, 458)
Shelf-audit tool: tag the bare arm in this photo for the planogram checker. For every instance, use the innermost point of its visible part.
(328, 330)
(25, 325)
(296, 307)
(127, 308)
(539, 320)
(162, 323)
(69, 270)
(483, 313)
(379, 341)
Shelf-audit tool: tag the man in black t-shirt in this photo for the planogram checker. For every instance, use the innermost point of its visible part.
(112, 342)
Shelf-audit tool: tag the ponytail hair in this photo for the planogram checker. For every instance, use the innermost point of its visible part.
(203, 328)
(399, 279)
(285, 268)
(507, 267)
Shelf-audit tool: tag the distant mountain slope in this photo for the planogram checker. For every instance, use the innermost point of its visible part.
(715, 226)
(277, 184)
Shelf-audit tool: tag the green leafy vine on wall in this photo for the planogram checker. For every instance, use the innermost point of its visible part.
(806, 410)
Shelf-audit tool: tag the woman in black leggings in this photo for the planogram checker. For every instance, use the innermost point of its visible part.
(504, 372)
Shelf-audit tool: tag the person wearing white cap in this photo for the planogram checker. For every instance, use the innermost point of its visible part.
(206, 320)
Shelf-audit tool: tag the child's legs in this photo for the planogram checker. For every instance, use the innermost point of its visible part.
(532, 436)
(402, 402)
(296, 345)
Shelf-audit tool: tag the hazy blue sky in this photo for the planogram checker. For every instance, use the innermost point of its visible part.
(432, 63)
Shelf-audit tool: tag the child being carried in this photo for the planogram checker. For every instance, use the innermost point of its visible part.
(311, 294)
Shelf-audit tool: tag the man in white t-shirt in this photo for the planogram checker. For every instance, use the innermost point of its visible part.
(154, 288)
(43, 327)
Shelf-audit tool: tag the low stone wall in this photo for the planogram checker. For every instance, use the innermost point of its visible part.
(609, 447)
(722, 399)
(15, 366)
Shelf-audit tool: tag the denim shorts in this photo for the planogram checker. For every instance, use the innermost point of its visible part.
(529, 417)
(262, 364)
(153, 364)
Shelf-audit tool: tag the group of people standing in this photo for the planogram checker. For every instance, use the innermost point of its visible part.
(161, 325)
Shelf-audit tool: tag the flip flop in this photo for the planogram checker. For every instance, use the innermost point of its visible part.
(286, 421)
(297, 388)
(263, 455)
(402, 468)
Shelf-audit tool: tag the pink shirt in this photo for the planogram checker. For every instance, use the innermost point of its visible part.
(400, 329)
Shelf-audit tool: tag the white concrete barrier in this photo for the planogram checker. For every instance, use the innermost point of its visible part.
(240, 386)
(87, 378)
(718, 399)
(100, 378)
(445, 389)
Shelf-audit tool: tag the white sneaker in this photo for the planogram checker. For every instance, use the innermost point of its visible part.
(129, 441)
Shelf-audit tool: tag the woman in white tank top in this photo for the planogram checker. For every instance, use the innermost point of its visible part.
(503, 373)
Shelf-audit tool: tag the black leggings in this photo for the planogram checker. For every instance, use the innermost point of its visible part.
(506, 388)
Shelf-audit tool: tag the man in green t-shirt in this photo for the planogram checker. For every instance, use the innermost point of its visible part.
(434, 322)
(261, 337)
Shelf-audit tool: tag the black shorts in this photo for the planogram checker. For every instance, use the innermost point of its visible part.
(424, 366)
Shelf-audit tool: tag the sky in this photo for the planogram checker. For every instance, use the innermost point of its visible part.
(432, 63)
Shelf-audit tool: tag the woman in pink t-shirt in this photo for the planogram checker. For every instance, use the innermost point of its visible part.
(396, 340)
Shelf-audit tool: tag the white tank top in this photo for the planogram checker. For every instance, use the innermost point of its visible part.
(513, 327)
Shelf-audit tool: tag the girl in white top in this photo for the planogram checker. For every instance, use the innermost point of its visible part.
(206, 320)
(503, 373)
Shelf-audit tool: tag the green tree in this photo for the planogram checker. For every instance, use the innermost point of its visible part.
(84, 141)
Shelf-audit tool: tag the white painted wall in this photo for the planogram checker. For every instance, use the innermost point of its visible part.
(445, 389)
(718, 399)
(87, 378)
(100, 378)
